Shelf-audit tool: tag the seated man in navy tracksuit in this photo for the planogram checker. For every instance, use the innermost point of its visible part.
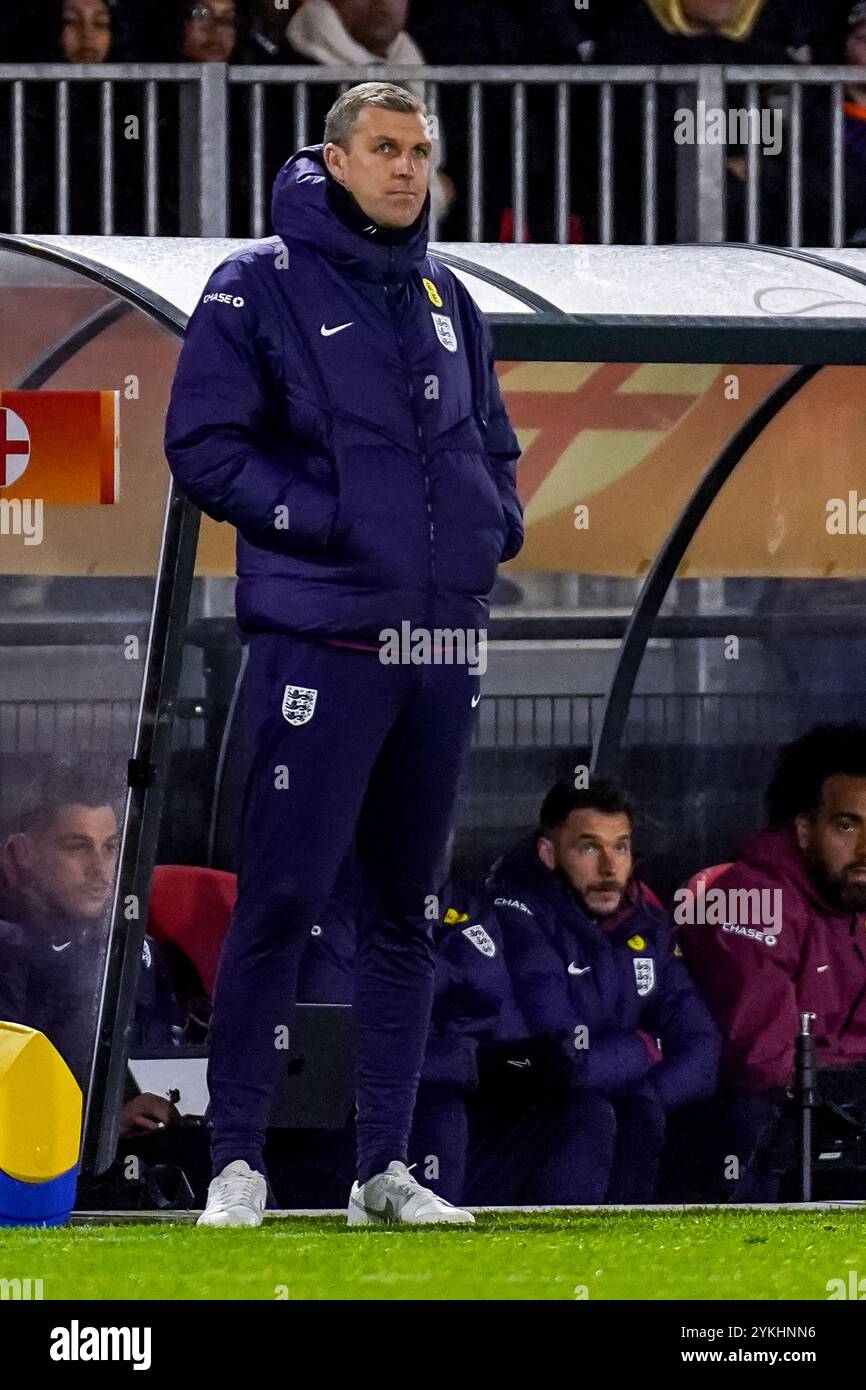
(493, 1122)
(57, 869)
(472, 1002)
(594, 967)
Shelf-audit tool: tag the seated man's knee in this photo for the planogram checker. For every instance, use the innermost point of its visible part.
(589, 1113)
(644, 1114)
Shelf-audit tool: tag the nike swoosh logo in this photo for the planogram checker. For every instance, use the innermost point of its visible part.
(527, 1063)
(387, 1213)
(475, 699)
(60, 948)
(822, 968)
(329, 332)
(578, 970)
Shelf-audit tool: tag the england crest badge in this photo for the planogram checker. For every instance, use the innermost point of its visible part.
(480, 939)
(445, 331)
(298, 704)
(644, 974)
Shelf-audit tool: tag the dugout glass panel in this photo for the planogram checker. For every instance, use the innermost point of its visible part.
(761, 635)
(84, 381)
(613, 452)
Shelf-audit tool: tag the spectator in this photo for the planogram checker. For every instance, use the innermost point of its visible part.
(208, 33)
(553, 30)
(817, 180)
(594, 969)
(694, 32)
(214, 32)
(57, 873)
(86, 32)
(704, 31)
(267, 33)
(486, 33)
(477, 32)
(75, 31)
(337, 33)
(786, 941)
(67, 31)
(855, 128)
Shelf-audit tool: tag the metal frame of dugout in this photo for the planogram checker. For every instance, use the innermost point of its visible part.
(544, 304)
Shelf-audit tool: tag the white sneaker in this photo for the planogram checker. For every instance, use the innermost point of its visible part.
(395, 1196)
(236, 1197)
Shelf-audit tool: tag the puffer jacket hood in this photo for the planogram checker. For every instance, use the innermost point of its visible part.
(308, 208)
(336, 401)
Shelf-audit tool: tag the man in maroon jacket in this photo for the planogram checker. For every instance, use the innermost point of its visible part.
(782, 933)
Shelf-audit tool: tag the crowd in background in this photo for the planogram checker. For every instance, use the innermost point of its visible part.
(445, 31)
(449, 33)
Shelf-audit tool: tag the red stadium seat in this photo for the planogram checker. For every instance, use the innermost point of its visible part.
(576, 234)
(190, 909)
(708, 876)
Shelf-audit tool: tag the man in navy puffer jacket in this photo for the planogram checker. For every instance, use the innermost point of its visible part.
(594, 967)
(336, 401)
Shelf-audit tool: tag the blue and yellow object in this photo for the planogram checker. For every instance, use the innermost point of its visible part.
(40, 1130)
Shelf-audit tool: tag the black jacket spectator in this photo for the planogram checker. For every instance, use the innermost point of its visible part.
(778, 35)
(510, 32)
(640, 38)
(40, 38)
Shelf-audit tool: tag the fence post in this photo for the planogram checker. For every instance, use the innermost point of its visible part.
(204, 172)
(701, 167)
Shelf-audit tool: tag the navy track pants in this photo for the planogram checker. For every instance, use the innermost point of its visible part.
(379, 757)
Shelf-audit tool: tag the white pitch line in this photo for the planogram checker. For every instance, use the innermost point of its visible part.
(187, 1218)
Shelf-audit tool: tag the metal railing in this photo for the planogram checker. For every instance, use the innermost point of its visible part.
(571, 127)
(505, 722)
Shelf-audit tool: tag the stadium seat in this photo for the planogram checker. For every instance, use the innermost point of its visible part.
(190, 909)
(707, 876)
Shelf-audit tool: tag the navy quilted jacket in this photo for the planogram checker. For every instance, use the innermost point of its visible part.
(569, 975)
(336, 401)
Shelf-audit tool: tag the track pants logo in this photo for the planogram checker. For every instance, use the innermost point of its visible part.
(298, 704)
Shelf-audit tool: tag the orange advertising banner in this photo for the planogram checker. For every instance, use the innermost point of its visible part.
(62, 447)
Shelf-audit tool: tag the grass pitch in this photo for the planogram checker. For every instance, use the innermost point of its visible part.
(727, 1254)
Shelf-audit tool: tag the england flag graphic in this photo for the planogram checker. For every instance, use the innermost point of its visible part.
(14, 446)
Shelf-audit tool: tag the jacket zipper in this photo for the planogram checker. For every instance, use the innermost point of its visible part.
(431, 526)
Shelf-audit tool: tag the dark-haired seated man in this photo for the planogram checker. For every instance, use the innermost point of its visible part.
(787, 936)
(595, 973)
(57, 872)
